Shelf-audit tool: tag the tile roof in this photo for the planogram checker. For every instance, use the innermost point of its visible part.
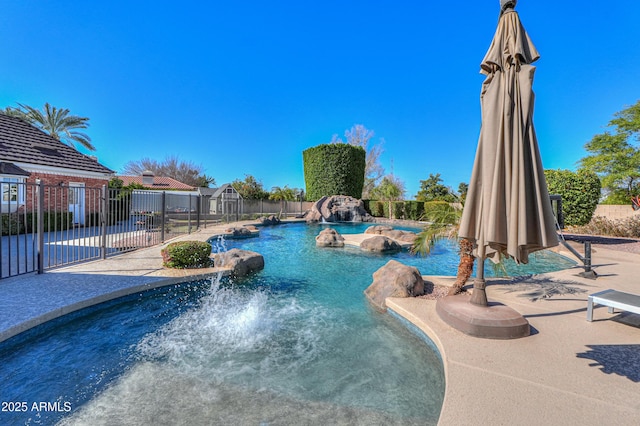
(20, 142)
(159, 183)
(12, 169)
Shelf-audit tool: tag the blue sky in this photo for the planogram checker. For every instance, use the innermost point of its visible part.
(244, 87)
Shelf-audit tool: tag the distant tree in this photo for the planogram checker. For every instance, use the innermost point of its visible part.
(433, 190)
(463, 188)
(250, 188)
(182, 171)
(120, 200)
(283, 194)
(116, 183)
(390, 189)
(205, 181)
(136, 168)
(57, 122)
(615, 156)
(359, 135)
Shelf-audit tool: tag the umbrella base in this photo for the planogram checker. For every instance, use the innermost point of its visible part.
(495, 321)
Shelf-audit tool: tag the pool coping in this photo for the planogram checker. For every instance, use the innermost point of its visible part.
(569, 371)
(546, 378)
(94, 300)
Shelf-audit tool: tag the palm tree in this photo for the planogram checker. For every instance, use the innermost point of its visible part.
(390, 189)
(56, 122)
(445, 222)
(283, 194)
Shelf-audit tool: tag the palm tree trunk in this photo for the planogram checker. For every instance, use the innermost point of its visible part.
(465, 267)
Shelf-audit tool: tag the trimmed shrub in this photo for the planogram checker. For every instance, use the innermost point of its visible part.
(187, 254)
(398, 210)
(10, 224)
(580, 193)
(377, 208)
(19, 223)
(414, 210)
(334, 169)
(92, 219)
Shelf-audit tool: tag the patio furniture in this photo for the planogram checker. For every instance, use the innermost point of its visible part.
(613, 299)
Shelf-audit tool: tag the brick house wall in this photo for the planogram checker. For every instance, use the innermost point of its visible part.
(56, 192)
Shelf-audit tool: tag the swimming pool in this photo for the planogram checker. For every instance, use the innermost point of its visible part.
(296, 343)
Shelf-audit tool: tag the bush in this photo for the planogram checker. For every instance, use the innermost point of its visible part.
(398, 210)
(334, 169)
(187, 254)
(377, 208)
(19, 223)
(414, 210)
(580, 192)
(435, 211)
(10, 224)
(410, 210)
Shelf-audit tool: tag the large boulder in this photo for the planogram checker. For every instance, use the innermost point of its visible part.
(378, 229)
(329, 238)
(404, 236)
(241, 262)
(396, 234)
(394, 280)
(238, 232)
(338, 208)
(269, 220)
(380, 244)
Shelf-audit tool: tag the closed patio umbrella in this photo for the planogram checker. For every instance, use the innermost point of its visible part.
(507, 211)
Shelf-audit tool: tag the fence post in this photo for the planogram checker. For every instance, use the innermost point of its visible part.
(40, 231)
(162, 216)
(104, 219)
(189, 217)
(198, 212)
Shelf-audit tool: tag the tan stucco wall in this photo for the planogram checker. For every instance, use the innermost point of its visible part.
(614, 212)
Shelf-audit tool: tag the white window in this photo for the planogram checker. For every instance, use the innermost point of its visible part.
(13, 190)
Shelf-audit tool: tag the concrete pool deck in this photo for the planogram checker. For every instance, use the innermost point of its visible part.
(569, 371)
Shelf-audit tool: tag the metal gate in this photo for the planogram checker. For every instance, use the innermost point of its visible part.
(48, 226)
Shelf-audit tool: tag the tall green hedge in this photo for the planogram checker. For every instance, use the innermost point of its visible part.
(580, 193)
(408, 209)
(334, 169)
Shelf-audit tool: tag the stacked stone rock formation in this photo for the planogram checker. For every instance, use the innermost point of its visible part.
(338, 208)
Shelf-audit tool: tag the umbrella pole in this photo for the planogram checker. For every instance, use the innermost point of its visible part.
(479, 295)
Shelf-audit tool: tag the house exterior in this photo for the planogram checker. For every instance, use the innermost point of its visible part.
(160, 193)
(29, 155)
(155, 183)
(222, 200)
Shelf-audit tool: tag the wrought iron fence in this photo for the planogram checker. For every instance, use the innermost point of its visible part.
(47, 226)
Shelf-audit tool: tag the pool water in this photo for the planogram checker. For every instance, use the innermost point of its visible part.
(294, 344)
